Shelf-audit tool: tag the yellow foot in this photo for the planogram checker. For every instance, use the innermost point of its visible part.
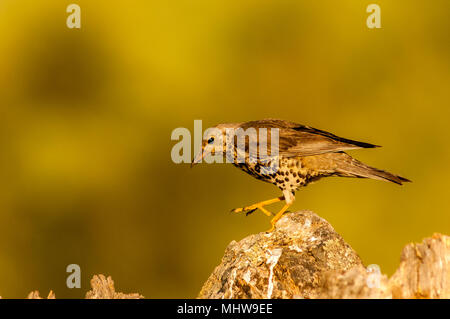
(277, 217)
(250, 209)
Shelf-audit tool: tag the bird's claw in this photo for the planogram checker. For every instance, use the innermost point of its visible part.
(250, 211)
(271, 229)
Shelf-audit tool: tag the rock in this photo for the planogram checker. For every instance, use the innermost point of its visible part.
(305, 258)
(287, 263)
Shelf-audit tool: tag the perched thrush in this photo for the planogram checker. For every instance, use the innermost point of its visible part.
(301, 155)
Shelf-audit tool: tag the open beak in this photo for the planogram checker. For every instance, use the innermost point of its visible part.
(198, 158)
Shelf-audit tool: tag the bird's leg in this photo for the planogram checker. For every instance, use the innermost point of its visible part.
(250, 209)
(278, 216)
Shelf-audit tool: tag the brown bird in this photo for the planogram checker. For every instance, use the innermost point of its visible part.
(301, 155)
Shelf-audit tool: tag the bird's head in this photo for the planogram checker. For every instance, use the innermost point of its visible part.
(214, 143)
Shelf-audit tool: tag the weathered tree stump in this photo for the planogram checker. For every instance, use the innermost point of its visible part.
(102, 288)
(304, 257)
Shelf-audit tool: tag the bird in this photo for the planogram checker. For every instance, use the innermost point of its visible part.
(302, 155)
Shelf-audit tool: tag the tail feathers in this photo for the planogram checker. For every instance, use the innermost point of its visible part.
(355, 168)
(375, 173)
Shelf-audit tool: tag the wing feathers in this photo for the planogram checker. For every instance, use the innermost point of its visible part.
(300, 140)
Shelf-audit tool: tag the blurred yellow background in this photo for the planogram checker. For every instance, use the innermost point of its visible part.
(86, 116)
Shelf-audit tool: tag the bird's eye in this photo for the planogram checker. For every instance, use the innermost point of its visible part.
(211, 140)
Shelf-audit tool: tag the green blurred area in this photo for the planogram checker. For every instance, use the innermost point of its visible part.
(86, 116)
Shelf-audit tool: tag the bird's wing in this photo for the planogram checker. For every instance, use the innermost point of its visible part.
(300, 140)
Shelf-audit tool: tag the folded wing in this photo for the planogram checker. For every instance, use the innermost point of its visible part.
(300, 140)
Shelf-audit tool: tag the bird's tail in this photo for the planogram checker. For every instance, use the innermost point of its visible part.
(347, 166)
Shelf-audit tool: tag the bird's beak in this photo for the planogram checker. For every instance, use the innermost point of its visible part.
(198, 158)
